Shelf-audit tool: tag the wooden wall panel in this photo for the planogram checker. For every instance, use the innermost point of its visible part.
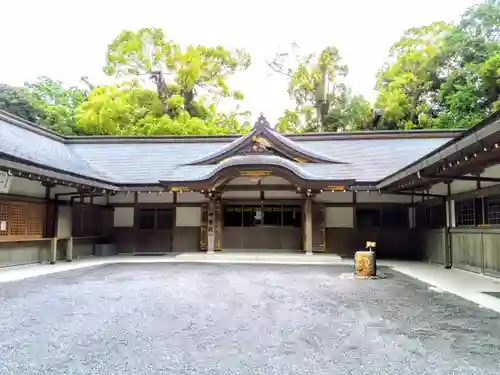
(154, 241)
(186, 239)
(491, 253)
(476, 249)
(262, 238)
(433, 245)
(318, 227)
(391, 243)
(466, 251)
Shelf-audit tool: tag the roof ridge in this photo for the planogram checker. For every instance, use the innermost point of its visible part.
(296, 137)
(372, 134)
(31, 126)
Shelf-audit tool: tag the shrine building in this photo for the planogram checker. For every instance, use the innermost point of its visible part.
(419, 194)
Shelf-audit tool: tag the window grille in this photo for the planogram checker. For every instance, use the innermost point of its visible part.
(465, 212)
(20, 220)
(493, 210)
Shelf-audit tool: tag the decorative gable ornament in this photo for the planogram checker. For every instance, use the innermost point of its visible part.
(264, 140)
(260, 144)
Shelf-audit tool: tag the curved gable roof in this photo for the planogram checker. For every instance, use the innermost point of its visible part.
(270, 140)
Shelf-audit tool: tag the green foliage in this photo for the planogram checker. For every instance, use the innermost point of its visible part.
(187, 125)
(348, 112)
(191, 72)
(116, 109)
(57, 105)
(130, 109)
(15, 101)
(407, 85)
(443, 75)
(321, 98)
(289, 121)
(141, 52)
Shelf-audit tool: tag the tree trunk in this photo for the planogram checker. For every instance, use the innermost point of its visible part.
(188, 102)
(162, 90)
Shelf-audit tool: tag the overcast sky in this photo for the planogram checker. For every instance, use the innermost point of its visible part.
(68, 39)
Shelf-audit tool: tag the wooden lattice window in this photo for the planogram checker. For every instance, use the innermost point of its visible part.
(4, 220)
(465, 213)
(20, 220)
(34, 221)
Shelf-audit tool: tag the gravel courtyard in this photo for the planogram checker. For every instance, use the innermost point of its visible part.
(239, 319)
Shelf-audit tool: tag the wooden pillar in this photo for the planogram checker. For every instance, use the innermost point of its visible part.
(318, 227)
(49, 210)
(211, 227)
(449, 220)
(203, 227)
(308, 242)
(218, 225)
(69, 250)
(211, 223)
(53, 250)
(136, 222)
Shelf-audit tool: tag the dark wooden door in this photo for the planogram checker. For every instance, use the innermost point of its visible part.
(154, 228)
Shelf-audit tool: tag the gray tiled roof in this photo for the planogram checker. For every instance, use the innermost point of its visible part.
(36, 148)
(144, 162)
(369, 159)
(309, 151)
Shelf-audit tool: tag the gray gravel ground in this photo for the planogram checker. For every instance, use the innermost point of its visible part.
(239, 319)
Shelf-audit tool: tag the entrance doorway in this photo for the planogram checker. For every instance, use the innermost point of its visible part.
(262, 226)
(154, 230)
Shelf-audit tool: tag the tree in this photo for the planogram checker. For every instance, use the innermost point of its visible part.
(323, 102)
(289, 122)
(348, 112)
(470, 67)
(130, 109)
(184, 124)
(179, 75)
(117, 109)
(57, 104)
(314, 80)
(15, 101)
(444, 75)
(408, 83)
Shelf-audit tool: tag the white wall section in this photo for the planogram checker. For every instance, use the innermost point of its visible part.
(375, 197)
(188, 216)
(64, 221)
(191, 197)
(121, 198)
(281, 194)
(28, 188)
(154, 197)
(334, 197)
(241, 195)
(339, 217)
(123, 217)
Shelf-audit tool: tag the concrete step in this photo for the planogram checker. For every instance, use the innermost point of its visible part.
(260, 257)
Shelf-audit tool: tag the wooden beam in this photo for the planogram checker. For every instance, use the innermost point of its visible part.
(418, 194)
(258, 187)
(462, 178)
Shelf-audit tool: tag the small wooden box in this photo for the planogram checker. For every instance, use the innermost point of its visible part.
(364, 264)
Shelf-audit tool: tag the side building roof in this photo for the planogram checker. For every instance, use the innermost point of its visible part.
(467, 153)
